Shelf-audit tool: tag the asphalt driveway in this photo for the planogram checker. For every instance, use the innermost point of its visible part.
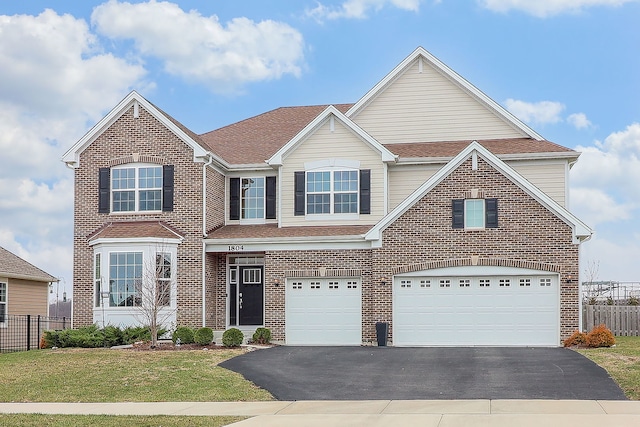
(363, 373)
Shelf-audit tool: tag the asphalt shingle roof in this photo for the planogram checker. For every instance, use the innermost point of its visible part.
(12, 266)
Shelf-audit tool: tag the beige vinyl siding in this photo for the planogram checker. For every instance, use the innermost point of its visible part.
(323, 144)
(427, 106)
(27, 297)
(548, 175)
(404, 180)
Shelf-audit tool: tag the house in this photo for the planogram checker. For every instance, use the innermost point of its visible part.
(425, 205)
(24, 288)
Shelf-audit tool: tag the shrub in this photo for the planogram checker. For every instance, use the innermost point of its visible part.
(600, 336)
(577, 338)
(232, 337)
(262, 336)
(185, 334)
(203, 336)
(112, 336)
(634, 301)
(50, 339)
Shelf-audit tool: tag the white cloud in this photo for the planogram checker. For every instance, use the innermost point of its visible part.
(579, 121)
(202, 49)
(55, 80)
(605, 194)
(543, 112)
(612, 165)
(359, 9)
(545, 8)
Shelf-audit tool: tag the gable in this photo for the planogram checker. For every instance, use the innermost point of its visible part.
(473, 153)
(134, 102)
(422, 100)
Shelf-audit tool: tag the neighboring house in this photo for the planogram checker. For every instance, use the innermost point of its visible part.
(425, 204)
(24, 288)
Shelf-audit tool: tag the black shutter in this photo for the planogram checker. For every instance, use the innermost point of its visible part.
(271, 198)
(299, 193)
(167, 188)
(234, 198)
(457, 208)
(491, 213)
(365, 191)
(104, 188)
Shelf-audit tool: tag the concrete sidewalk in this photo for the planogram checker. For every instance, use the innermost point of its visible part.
(373, 413)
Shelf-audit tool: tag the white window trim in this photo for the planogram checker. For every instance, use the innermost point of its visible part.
(332, 215)
(264, 201)
(149, 250)
(484, 215)
(3, 320)
(136, 189)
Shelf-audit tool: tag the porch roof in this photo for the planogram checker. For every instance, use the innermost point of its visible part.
(135, 229)
(267, 231)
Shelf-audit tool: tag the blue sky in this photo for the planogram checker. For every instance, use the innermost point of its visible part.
(568, 68)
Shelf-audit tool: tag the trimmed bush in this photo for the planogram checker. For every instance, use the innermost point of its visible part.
(577, 338)
(185, 334)
(262, 336)
(134, 334)
(203, 336)
(600, 336)
(112, 336)
(232, 337)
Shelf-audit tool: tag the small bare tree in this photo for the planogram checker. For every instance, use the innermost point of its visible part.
(591, 290)
(153, 294)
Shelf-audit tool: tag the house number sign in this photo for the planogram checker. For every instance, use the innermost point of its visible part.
(236, 248)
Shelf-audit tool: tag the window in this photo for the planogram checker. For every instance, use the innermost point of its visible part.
(334, 191)
(252, 199)
(125, 279)
(163, 279)
(3, 303)
(474, 214)
(252, 276)
(96, 281)
(136, 188)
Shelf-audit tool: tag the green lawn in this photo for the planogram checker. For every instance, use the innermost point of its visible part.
(34, 420)
(622, 362)
(103, 375)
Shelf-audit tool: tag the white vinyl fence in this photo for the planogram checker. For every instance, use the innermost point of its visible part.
(622, 320)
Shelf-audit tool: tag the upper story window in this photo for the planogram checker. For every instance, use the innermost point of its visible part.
(252, 199)
(333, 192)
(330, 192)
(136, 188)
(3, 303)
(475, 214)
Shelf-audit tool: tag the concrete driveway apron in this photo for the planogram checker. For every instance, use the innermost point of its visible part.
(370, 373)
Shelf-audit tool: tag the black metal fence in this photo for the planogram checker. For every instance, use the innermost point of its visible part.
(23, 332)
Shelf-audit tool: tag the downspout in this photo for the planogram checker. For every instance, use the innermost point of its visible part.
(204, 233)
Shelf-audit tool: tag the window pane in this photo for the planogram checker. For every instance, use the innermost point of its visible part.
(318, 204)
(124, 279)
(346, 203)
(150, 177)
(123, 178)
(252, 198)
(124, 201)
(474, 213)
(150, 200)
(318, 182)
(345, 181)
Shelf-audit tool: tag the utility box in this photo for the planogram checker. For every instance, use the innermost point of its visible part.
(382, 331)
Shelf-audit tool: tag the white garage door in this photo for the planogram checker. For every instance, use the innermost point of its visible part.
(323, 312)
(476, 306)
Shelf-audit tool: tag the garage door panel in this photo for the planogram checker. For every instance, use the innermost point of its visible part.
(468, 310)
(323, 312)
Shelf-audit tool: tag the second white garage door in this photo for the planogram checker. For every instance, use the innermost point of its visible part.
(323, 312)
(467, 306)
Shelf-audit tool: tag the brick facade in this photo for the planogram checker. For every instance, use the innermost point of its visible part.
(528, 236)
(147, 139)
